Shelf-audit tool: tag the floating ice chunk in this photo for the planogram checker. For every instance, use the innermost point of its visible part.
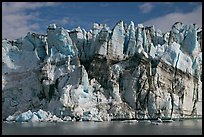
(34, 118)
(26, 116)
(159, 120)
(42, 114)
(56, 119)
(67, 118)
(10, 118)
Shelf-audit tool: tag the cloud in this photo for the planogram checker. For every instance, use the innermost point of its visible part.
(167, 3)
(146, 7)
(16, 21)
(195, 3)
(61, 21)
(165, 22)
(103, 5)
(65, 20)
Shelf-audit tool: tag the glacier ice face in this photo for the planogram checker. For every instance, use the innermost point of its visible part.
(190, 42)
(117, 41)
(59, 42)
(172, 54)
(103, 74)
(101, 43)
(130, 40)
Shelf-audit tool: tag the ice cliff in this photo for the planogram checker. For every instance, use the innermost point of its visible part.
(103, 74)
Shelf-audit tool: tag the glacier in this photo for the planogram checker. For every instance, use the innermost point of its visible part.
(104, 74)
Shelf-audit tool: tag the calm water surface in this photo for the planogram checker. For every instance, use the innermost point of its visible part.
(185, 127)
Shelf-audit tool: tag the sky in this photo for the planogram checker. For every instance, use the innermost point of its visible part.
(19, 18)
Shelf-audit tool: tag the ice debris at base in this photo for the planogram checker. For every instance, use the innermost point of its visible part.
(39, 116)
(127, 72)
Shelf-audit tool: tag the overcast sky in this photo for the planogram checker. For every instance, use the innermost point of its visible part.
(18, 18)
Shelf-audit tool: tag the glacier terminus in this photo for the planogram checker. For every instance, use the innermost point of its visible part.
(128, 72)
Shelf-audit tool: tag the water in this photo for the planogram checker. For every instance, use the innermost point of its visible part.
(185, 127)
